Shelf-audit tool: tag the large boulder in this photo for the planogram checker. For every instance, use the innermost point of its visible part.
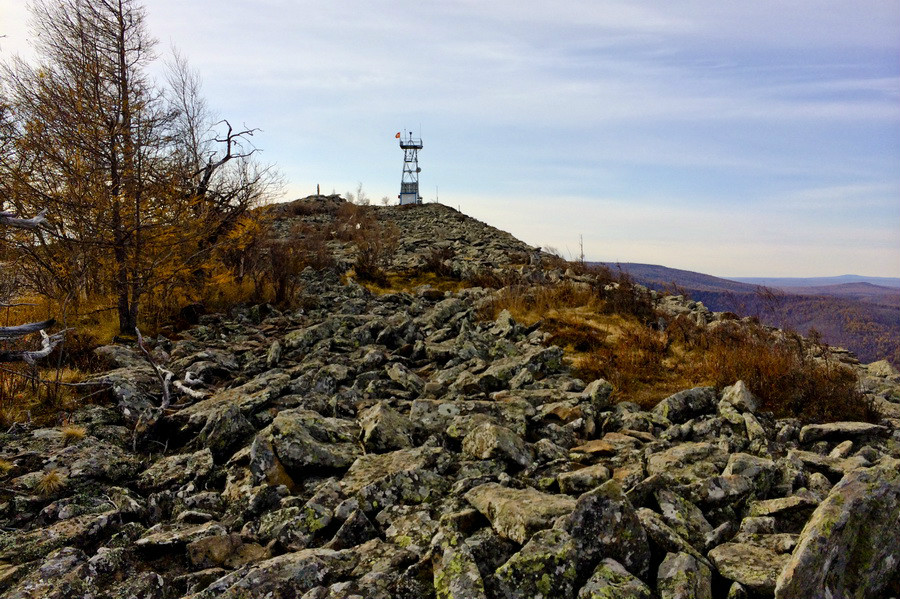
(545, 567)
(753, 566)
(305, 439)
(385, 429)
(288, 575)
(518, 513)
(611, 580)
(456, 575)
(850, 547)
(681, 576)
(687, 404)
(604, 524)
(493, 442)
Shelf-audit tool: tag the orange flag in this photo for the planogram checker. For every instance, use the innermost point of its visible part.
(398, 135)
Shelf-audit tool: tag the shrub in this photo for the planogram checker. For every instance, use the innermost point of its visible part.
(436, 259)
(778, 369)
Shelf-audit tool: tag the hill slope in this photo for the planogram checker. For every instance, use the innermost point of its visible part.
(411, 444)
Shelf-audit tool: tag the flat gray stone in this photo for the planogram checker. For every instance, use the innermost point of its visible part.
(518, 513)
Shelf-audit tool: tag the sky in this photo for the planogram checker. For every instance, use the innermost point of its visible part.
(731, 138)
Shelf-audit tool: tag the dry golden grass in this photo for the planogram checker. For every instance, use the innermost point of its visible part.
(72, 433)
(401, 282)
(23, 399)
(5, 467)
(530, 303)
(605, 334)
(51, 483)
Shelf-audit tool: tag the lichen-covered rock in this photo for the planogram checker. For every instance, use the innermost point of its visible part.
(61, 575)
(663, 537)
(598, 393)
(754, 567)
(135, 389)
(850, 546)
(688, 462)
(604, 524)
(538, 362)
(305, 439)
(168, 536)
(761, 471)
(225, 430)
(284, 576)
(518, 513)
(584, 479)
(294, 527)
(410, 527)
(355, 530)
(543, 569)
(610, 580)
(406, 475)
(401, 375)
(740, 398)
(841, 430)
(78, 531)
(435, 415)
(490, 441)
(385, 429)
(457, 577)
(176, 470)
(224, 550)
(684, 405)
(681, 576)
(250, 397)
(684, 517)
(790, 513)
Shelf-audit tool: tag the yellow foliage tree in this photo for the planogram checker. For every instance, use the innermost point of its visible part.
(138, 183)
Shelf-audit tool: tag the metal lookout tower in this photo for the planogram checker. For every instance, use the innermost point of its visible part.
(409, 184)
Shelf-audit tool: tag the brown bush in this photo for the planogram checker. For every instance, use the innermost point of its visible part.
(608, 331)
(435, 261)
(778, 369)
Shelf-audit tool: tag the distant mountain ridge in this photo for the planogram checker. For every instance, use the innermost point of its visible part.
(861, 314)
(782, 282)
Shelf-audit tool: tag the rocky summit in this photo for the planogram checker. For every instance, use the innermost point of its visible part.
(401, 446)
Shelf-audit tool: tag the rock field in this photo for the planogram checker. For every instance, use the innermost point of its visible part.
(398, 447)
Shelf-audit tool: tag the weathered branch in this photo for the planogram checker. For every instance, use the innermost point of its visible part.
(231, 139)
(163, 379)
(11, 220)
(48, 343)
(7, 333)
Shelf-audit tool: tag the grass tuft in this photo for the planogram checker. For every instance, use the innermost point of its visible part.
(72, 433)
(51, 483)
